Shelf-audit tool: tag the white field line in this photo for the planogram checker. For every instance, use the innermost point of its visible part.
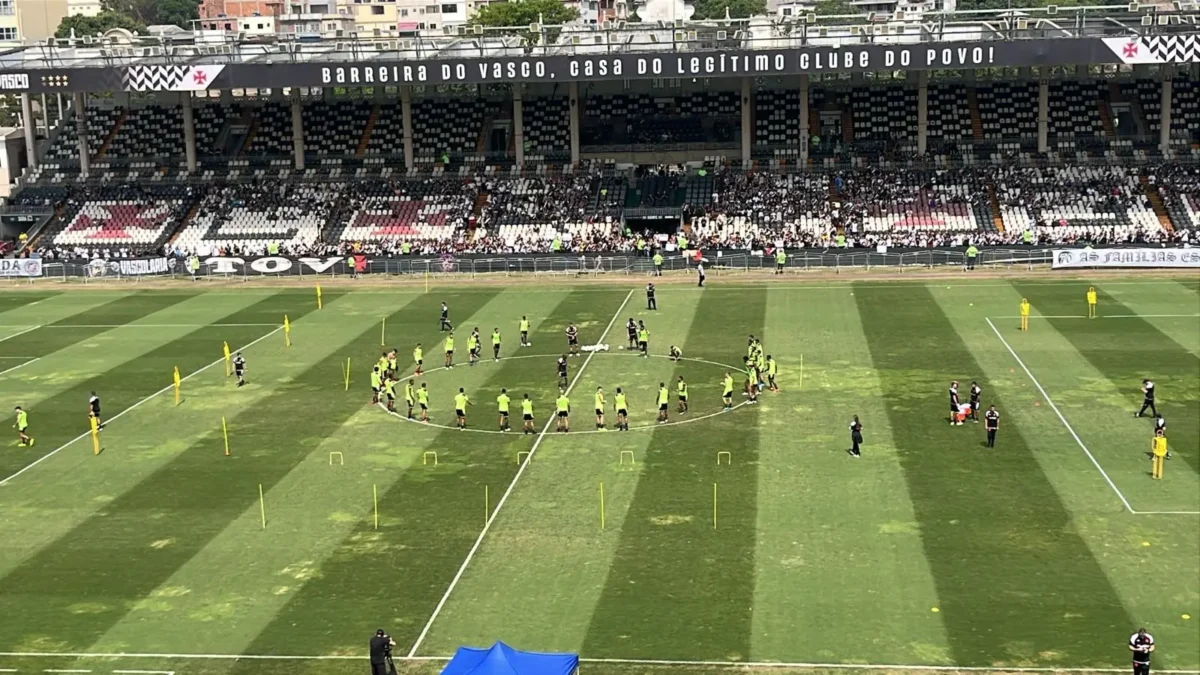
(110, 420)
(5, 372)
(65, 670)
(1105, 316)
(145, 672)
(1168, 513)
(1060, 416)
(143, 325)
(520, 470)
(647, 662)
(22, 332)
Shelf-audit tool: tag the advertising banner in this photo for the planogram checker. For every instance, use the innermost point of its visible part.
(274, 265)
(20, 267)
(133, 267)
(1127, 257)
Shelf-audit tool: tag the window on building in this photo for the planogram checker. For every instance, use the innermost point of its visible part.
(8, 33)
(403, 11)
(787, 11)
(228, 26)
(433, 26)
(377, 10)
(431, 9)
(449, 9)
(6, 7)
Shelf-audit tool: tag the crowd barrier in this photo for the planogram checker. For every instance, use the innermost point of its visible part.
(716, 263)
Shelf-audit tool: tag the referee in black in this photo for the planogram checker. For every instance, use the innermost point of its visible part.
(651, 303)
(1141, 644)
(991, 420)
(856, 437)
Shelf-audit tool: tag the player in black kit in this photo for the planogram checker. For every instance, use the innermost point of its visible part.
(975, 392)
(1141, 644)
(444, 322)
(651, 303)
(573, 339)
(1148, 401)
(562, 371)
(94, 410)
(239, 369)
(954, 403)
(991, 419)
(631, 329)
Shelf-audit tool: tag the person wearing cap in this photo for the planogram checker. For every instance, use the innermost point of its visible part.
(381, 652)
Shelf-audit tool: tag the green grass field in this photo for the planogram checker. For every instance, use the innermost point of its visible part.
(931, 550)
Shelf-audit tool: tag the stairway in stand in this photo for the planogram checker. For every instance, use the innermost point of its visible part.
(976, 120)
(112, 133)
(366, 134)
(997, 220)
(1104, 103)
(1156, 203)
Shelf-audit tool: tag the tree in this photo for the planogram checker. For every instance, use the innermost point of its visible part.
(714, 10)
(519, 14)
(177, 13)
(92, 25)
(153, 12)
(828, 7)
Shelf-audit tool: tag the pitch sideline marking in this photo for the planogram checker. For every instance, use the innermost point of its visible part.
(641, 427)
(1060, 416)
(5, 372)
(110, 420)
(649, 662)
(141, 325)
(21, 332)
(503, 498)
(1105, 316)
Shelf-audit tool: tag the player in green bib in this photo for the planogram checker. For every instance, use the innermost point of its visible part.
(681, 393)
(622, 408)
(563, 408)
(409, 396)
(600, 408)
(527, 414)
(495, 344)
(502, 402)
(382, 364)
(525, 332)
(449, 350)
(772, 369)
(460, 408)
(727, 391)
(472, 348)
(418, 356)
(643, 339)
(423, 401)
(751, 379)
(22, 427)
(392, 366)
(663, 402)
(376, 384)
(389, 390)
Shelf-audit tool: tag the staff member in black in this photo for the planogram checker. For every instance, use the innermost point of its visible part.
(975, 392)
(381, 654)
(651, 303)
(991, 420)
(856, 438)
(444, 321)
(1148, 401)
(94, 410)
(1141, 644)
(954, 403)
(631, 329)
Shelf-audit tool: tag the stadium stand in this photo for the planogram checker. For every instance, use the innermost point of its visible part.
(427, 212)
(133, 217)
(248, 218)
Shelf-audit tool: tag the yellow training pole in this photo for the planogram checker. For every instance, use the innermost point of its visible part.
(225, 433)
(714, 506)
(383, 333)
(95, 435)
(801, 385)
(177, 382)
(228, 363)
(262, 506)
(487, 505)
(602, 506)
(287, 331)
(318, 296)
(375, 496)
(347, 373)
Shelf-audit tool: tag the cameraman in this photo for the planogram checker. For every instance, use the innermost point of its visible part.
(381, 654)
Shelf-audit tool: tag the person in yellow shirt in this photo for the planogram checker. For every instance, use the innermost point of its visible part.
(502, 402)
(622, 408)
(409, 396)
(663, 404)
(418, 358)
(600, 408)
(460, 408)
(563, 408)
(1024, 314)
(524, 328)
(423, 401)
(449, 351)
(1091, 298)
(527, 415)
(1158, 447)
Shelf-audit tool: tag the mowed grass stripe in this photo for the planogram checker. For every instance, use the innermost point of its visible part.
(10, 301)
(1129, 350)
(63, 416)
(677, 587)
(95, 564)
(547, 549)
(1016, 583)
(432, 515)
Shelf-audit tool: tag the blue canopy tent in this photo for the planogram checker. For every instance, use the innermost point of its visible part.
(500, 659)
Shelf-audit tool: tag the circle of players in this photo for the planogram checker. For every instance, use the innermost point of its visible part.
(760, 370)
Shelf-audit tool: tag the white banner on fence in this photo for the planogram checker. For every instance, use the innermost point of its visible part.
(130, 267)
(1127, 257)
(20, 267)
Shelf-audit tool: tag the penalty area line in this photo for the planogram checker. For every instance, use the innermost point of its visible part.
(112, 419)
(1062, 419)
(503, 498)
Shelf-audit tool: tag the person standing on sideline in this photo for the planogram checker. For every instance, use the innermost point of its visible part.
(991, 420)
(658, 261)
(975, 393)
(1024, 314)
(856, 438)
(954, 403)
(780, 260)
(651, 303)
(1148, 399)
(972, 254)
(1158, 453)
(700, 274)
(444, 320)
(1141, 644)
(1091, 299)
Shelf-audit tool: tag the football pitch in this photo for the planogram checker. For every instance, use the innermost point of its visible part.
(644, 550)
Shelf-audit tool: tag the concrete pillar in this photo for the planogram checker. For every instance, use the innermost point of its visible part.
(62, 112)
(805, 132)
(573, 117)
(298, 129)
(1043, 117)
(922, 112)
(45, 115)
(747, 121)
(519, 123)
(189, 132)
(81, 131)
(406, 125)
(30, 125)
(1164, 134)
